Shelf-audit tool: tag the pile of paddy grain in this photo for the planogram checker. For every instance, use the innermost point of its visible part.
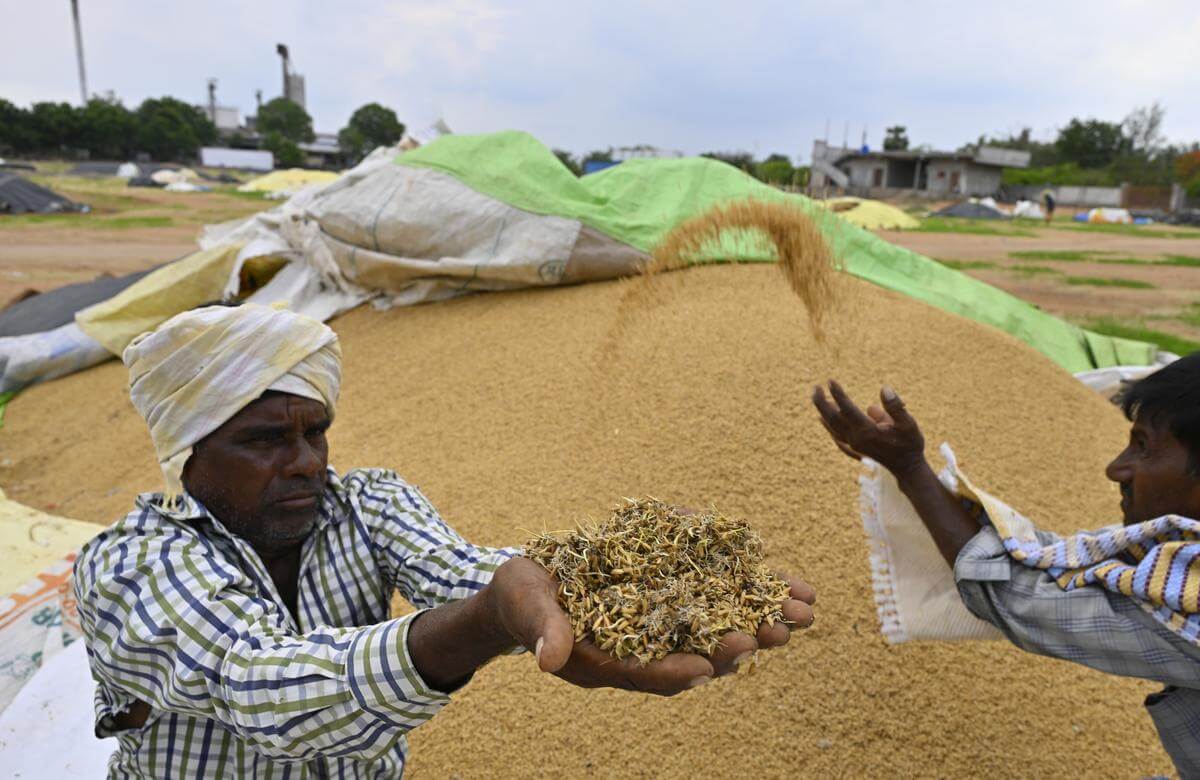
(500, 408)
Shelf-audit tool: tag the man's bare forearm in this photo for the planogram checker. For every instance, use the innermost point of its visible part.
(448, 643)
(943, 514)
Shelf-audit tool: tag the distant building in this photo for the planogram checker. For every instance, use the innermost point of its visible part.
(623, 153)
(322, 152)
(226, 118)
(936, 174)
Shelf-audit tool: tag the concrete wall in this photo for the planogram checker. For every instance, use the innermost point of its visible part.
(938, 174)
(972, 179)
(1071, 195)
(862, 172)
(982, 180)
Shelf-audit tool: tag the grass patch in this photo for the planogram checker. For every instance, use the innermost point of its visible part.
(245, 195)
(972, 226)
(1034, 269)
(1186, 260)
(1138, 332)
(1130, 230)
(1096, 257)
(1190, 315)
(966, 265)
(124, 223)
(1048, 254)
(90, 221)
(1092, 281)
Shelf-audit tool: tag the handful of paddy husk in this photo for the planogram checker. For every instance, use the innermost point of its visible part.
(653, 580)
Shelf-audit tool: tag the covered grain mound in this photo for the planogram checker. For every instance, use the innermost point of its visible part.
(500, 409)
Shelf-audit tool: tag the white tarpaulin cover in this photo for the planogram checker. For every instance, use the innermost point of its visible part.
(49, 728)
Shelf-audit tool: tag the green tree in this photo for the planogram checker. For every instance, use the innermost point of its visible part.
(776, 169)
(743, 161)
(287, 118)
(169, 129)
(1187, 166)
(107, 129)
(896, 139)
(370, 126)
(55, 127)
(1091, 143)
(287, 153)
(1143, 128)
(16, 129)
(567, 160)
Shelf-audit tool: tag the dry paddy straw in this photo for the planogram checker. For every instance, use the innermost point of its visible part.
(654, 579)
(492, 405)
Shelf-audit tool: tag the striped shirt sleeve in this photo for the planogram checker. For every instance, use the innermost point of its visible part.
(1089, 626)
(420, 555)
(174, 624)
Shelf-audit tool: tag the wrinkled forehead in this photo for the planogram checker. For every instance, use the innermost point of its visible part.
(275, 409)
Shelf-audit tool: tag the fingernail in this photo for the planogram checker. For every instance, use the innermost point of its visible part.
(741, 659)
(537, 650)
(889, 394)
(698, 681)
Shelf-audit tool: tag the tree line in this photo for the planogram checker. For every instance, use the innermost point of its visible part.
(168, 129)
(773, 169)
(1103, 153)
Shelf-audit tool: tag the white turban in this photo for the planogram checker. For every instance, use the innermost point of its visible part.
(201, 367)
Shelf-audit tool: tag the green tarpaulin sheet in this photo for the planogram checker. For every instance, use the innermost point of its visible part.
(641, 200)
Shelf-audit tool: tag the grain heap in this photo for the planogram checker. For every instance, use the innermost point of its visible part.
(495, 407)
(654, 580)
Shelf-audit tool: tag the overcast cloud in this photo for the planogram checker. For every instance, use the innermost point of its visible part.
(751, 75)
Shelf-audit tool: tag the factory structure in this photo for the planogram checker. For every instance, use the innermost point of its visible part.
(241, 133)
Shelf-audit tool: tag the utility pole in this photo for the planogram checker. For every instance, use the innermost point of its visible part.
(83, 92)
(282, 51)
(212, 100)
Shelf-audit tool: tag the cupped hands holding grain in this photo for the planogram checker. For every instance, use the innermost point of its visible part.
(658, 599)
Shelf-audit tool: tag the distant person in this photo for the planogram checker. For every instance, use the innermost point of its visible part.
(1124, 599)
(238, 625)
(1048, 205)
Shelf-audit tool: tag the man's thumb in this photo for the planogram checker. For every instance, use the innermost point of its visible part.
(555, 640)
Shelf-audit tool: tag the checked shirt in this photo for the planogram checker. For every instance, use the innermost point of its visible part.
(181, 614)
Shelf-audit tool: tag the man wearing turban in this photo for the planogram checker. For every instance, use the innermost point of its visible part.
(238, 623)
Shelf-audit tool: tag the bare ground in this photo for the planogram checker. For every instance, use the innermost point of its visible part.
(1176, 289)
(128, 229)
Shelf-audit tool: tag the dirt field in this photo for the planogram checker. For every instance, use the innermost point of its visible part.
(1168, 303)
(528, 410)
(129, 229)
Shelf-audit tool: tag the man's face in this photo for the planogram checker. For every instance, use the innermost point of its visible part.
(1154, 476)
(262, 473)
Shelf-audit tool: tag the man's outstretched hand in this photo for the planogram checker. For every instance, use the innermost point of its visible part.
(522, 599)
(887, 434)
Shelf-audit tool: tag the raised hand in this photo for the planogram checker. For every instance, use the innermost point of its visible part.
(887, 434)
